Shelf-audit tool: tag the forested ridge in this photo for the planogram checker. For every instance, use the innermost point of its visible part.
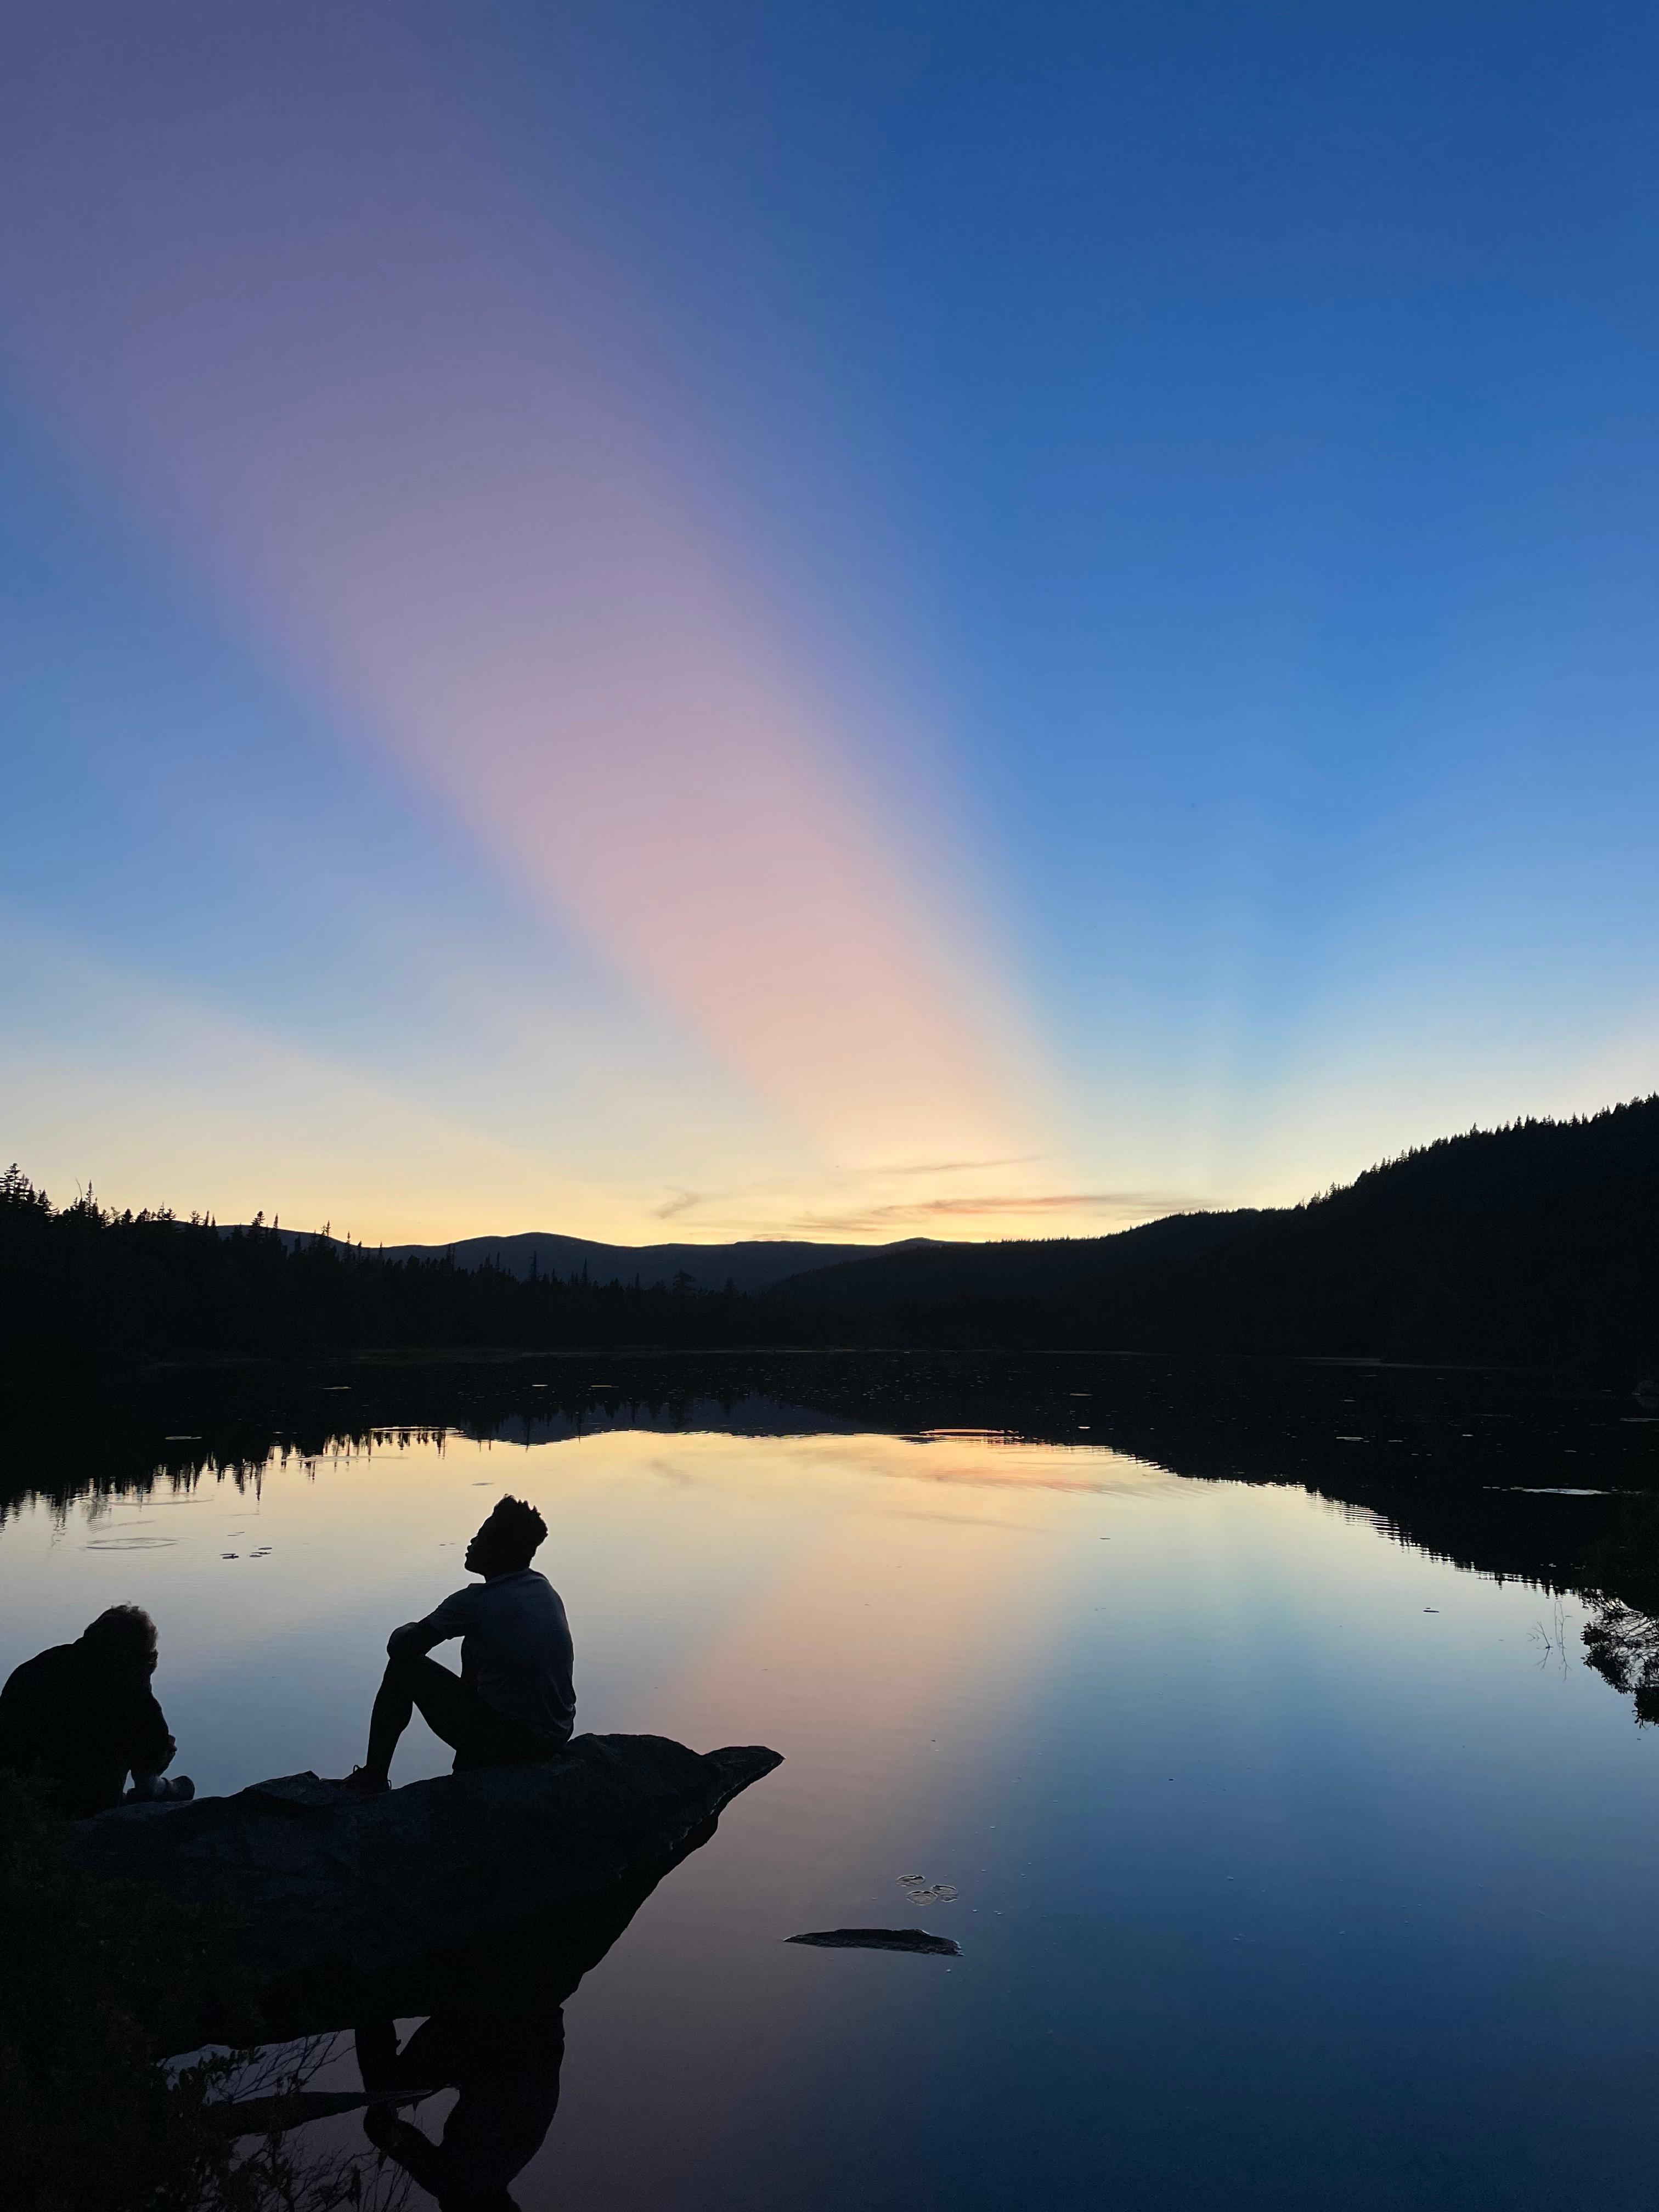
(1535, 1243)
(1539, 1241)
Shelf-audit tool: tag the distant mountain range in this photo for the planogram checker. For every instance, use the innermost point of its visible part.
(755, 1265)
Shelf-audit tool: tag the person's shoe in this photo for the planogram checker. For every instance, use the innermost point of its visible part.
(159, 1789)
(361, 1782)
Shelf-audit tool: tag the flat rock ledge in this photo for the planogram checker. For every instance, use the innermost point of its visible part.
(312, 1886)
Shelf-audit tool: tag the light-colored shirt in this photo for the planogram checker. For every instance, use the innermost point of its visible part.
(515, 1648)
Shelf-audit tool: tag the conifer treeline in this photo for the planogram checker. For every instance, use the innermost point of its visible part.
(1536, 1244)
(81, 1285)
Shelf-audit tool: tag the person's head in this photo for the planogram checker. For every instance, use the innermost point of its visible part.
(123, 1639)
(507, 1541)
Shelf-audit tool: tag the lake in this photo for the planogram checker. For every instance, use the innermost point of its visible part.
(1299, 1858)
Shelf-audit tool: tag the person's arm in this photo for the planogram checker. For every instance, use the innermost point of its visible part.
(416, 1637)
(16, 1736)
(150, 1748)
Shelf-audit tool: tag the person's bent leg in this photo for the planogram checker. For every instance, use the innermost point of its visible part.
(376, 2044)
(392, 1710)
(476, 1734)
(457, 1716)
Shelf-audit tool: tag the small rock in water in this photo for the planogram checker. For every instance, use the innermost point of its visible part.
(880, 1938)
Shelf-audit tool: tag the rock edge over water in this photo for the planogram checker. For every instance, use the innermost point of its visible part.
(318, 1889)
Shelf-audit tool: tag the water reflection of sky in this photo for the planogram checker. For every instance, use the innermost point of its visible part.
(1294, 1867)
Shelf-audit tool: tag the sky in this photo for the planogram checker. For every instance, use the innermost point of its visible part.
(848, 621)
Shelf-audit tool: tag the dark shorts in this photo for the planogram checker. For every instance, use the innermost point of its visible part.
(476, 1734)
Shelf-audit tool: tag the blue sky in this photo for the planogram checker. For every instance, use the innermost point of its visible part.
(820, 620)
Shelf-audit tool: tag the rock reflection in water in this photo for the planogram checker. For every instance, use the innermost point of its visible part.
(303, 2149)
(505, 2067)
(484, 2037)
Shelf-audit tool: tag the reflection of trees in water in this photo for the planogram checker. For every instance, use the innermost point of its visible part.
(284, 2165)
(1622, 1638)
(1623, 1646)
(500, 2053)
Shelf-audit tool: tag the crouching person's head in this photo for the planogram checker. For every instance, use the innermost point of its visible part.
(123, 1640)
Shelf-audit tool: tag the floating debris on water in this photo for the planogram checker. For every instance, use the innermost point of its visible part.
(880, 1938)
(941, 1893)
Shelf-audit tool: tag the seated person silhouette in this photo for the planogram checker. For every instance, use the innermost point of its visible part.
(513, 1701)
(83, 1717)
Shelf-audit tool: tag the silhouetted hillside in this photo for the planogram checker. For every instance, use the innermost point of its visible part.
(1039, 1267)
(1536, 1242)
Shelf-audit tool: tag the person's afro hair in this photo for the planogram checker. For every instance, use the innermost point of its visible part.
(514, 1530)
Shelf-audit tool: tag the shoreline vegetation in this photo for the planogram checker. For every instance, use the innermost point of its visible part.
(1538, 1242)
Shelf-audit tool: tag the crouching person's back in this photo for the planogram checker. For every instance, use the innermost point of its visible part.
(83, 1717)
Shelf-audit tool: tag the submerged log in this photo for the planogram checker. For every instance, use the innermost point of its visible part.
(881, 1939)
(325, 1899)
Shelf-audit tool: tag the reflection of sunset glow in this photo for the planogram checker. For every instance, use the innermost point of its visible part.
(1096, 1716)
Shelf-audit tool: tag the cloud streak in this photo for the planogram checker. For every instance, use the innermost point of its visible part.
(1123, 1207)
(681, 1203)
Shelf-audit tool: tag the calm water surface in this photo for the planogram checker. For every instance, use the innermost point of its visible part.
(1294, 1867)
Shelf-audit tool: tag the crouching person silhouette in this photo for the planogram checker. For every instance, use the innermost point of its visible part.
(83, 1717)
(513, 1701)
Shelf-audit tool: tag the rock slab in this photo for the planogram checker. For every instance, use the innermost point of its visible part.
(313, 1886)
